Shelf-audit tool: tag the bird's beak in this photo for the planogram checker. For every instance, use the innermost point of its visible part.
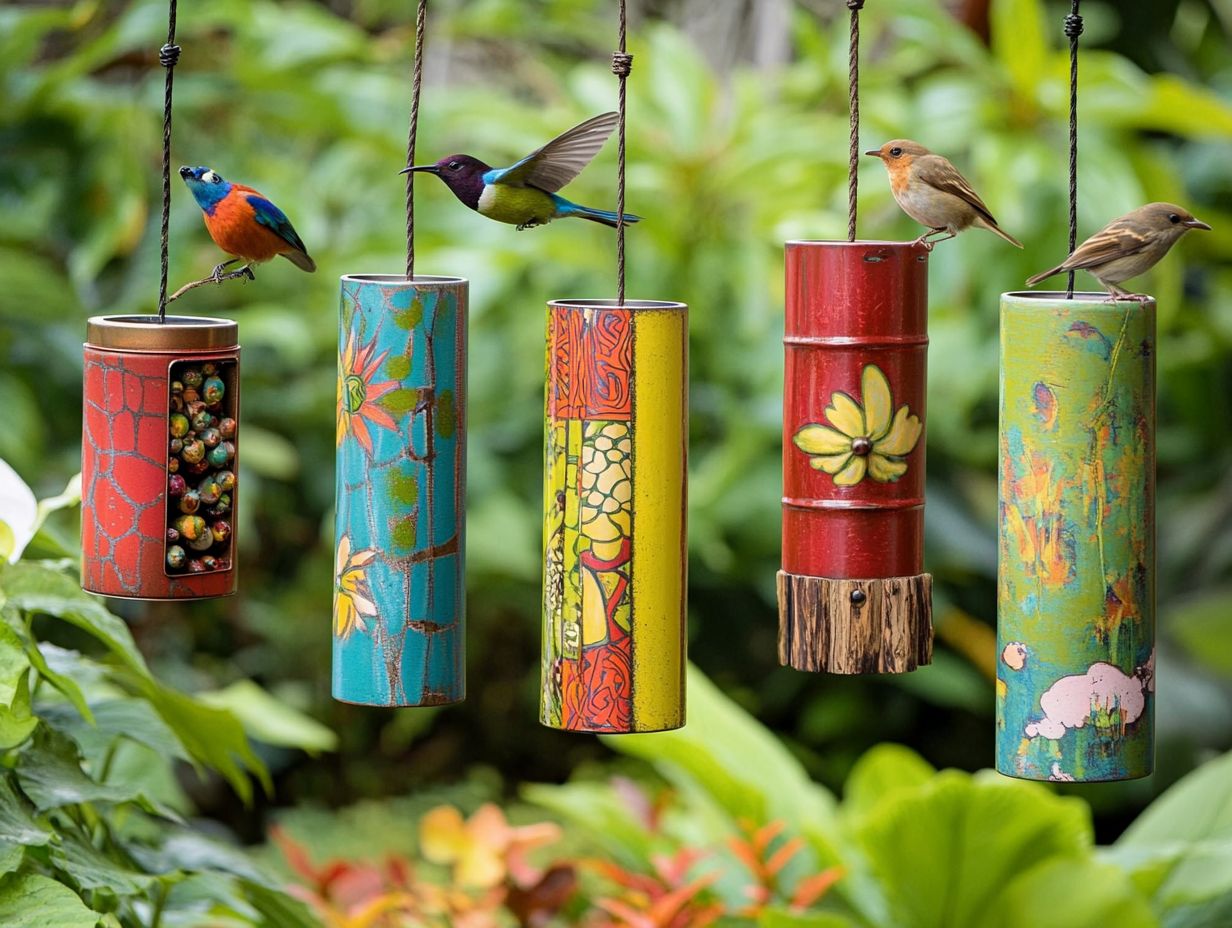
(1197, 224)
(186, 172)
(430, 168)
(876, 153)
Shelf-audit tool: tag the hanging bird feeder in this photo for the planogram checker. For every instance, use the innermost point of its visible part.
(1076, 566)
(160, 440)
(853, 596)
(615, 434)
(399, 604)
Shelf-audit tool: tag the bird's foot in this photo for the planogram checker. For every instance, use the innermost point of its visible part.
(1117, 296)
(216, 275)
(246, 271)
(529, 225)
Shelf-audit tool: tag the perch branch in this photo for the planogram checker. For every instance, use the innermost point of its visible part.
(245, 271)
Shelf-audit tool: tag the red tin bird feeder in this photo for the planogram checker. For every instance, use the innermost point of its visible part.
(853, 597)
(160, 440)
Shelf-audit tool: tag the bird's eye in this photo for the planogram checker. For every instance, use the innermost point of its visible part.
(215, 179)
(895, 151)
(455, 165)
(1174, 218)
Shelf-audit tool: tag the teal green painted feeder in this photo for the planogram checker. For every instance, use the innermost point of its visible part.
(399, 630)
(1076, 567)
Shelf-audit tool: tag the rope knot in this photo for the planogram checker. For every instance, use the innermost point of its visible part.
(1073, 25)
(622, 64)
(169, 55)
(855, 4)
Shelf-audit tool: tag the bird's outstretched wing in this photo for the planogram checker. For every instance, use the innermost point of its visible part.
(560, 160)
(939, 173)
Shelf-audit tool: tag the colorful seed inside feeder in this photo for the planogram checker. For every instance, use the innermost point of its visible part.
(201, 478)
(208, 490)
(190, 527)
(212, 391)
(194, 451)
(190, 502)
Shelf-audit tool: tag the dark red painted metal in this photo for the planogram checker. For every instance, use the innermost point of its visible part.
(850, 304)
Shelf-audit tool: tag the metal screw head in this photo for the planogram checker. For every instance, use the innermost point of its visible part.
(861, 447)
(858, 597)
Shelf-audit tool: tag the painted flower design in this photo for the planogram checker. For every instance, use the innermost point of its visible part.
(862, 440)
(359, 391)
(352, 596)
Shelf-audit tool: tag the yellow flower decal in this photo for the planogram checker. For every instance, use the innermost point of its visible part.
(352, 597)
(869, 440)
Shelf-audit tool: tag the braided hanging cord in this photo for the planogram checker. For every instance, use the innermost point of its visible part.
(1073, 29)
(622, 64)
(168, 55)
(416, 86)
(853, 107)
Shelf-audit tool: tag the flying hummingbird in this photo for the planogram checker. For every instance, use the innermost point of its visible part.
(525, 194)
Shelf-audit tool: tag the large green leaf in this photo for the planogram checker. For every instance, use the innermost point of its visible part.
(90, 868)
(1181, 846)
(16, 719)
(883, 772)
(214, 737)
(945, 850)
(269, 720)
(17, 823)
(781, 918)
(50, 774)
(1075, 893)
(28, 900)
(725, 753)
(39, 587)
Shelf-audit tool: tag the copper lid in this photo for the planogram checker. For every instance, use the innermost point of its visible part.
(146, 333)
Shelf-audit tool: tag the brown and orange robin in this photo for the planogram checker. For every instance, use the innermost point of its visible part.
(932, 192)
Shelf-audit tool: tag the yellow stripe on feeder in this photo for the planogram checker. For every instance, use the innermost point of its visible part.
(614, 522)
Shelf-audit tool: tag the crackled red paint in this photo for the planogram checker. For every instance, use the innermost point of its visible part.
(124, 479)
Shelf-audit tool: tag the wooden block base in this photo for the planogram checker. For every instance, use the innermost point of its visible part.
(855, 626)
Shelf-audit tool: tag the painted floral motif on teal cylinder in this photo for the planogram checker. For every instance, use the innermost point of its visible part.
(1076, 575)
(398, 626)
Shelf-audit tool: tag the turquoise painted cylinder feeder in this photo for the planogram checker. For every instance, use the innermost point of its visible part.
(399, 607)
(1076, 567)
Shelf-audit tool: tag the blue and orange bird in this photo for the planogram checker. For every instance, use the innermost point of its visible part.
(525, 194)
(243, 223)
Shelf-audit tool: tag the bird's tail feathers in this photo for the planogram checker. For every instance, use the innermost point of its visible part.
(604, 216)
(1044, 275)
(301, 260)
(993, 227)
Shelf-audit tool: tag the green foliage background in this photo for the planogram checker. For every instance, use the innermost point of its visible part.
(307, 101)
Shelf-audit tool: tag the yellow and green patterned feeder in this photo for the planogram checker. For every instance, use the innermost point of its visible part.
(1076, 567)
(614, 523)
